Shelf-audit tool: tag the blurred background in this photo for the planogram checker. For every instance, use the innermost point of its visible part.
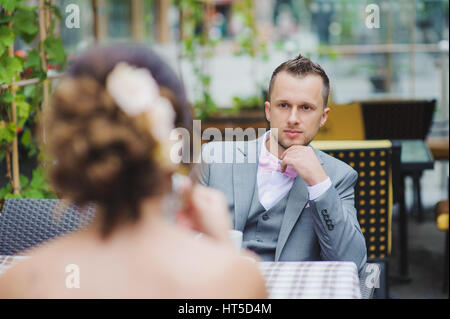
(377, 51)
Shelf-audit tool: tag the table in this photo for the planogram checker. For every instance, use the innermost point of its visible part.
(311, 280)
(415, 158)
(290, 280)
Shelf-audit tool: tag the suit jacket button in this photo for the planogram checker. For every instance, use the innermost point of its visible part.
(330, 227)
(324, 212)
(265, 217)
(329, 223)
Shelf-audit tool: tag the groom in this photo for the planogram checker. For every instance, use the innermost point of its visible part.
(292, 202)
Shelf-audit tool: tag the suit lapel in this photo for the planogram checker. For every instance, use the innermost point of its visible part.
(244, 181)
(319, 155)
(298, 197)
(297, 200)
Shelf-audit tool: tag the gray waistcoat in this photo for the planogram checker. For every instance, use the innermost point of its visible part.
(262, 227)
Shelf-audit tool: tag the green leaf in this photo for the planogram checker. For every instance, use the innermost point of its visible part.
(23, 109)
(6, 38)
(8, 196)
(23, 181)
(39, 180)
(10, 5)
(55, 10)
(4, 19)
(5, 190)
(7, 132)
(32, 193)
(9, 68)
(25, 20)
(26, 138)
(55, 50)
(25, 23)
(7, 97)
(32, 150)
(29, 91)
(33, 60)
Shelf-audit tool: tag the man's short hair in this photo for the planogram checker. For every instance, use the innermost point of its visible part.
(301, 66)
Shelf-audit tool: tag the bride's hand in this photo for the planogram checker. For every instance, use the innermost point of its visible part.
(205, 211)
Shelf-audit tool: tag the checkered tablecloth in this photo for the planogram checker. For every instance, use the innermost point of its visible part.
(311, 280)
(290, 280)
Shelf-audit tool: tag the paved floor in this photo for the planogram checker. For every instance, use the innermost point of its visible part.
(426, 243)
(426, 262)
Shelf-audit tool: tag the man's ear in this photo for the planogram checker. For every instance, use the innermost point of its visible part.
(324, 116)
(267, 110)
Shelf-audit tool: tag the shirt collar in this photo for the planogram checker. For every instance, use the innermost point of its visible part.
(264, 148)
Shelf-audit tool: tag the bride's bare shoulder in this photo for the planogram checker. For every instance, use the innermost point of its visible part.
(28, 275)
(225, 273)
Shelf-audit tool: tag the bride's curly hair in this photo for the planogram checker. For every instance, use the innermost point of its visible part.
(99, 153)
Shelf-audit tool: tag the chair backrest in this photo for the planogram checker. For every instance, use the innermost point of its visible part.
(397, 119)
(345, 122)
(374, 191)
(26, 223)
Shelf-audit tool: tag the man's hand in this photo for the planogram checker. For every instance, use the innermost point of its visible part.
(305, 162)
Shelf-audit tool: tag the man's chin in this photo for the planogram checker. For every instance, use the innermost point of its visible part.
(286, 144)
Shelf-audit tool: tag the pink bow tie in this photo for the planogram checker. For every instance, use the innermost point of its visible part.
(269, 163)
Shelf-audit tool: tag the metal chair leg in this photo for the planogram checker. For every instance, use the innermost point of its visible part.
(418, 209)
(446, 269)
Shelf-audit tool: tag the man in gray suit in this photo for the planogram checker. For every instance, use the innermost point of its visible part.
(292, 202)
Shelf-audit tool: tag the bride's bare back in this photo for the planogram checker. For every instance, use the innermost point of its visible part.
(163, 262)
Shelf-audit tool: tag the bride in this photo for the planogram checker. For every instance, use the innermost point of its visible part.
(107, 135)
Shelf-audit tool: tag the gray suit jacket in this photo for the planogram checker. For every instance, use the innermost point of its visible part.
(304, 235)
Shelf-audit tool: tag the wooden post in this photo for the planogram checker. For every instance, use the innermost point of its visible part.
(137, 19)
(100, 20)
(95, 32)
(42, 36)
(163, 26)
(15, 187)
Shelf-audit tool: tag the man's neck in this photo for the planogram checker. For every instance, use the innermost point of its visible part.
(274, 147)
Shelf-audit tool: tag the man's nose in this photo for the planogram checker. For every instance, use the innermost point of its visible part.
(293, 116)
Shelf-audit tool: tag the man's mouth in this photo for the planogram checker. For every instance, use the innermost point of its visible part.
(292, 133)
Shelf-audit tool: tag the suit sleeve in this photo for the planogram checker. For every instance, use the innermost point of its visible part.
(336, 223)
(200, 171)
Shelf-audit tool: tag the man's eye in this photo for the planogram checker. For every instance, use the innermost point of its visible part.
(283, 105)
(306, 107)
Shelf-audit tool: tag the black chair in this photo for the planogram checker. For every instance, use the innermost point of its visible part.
(400, 120)
(378, 167)
(26, 223)
(397, 120)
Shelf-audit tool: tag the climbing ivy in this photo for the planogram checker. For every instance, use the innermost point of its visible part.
(19, 22)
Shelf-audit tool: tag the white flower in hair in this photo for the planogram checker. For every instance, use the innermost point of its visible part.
(133, 89)
(136, 91)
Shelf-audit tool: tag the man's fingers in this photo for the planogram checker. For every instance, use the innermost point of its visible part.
(283, 164)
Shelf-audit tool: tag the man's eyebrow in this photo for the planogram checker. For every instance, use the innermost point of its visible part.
(288, 102)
